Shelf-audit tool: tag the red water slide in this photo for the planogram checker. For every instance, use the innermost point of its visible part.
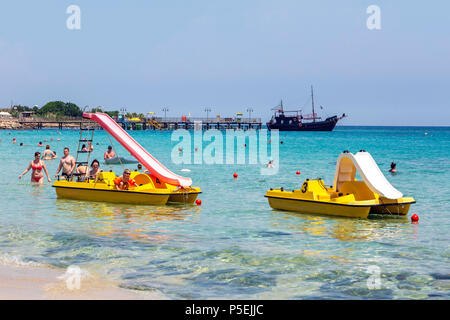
(137, 151)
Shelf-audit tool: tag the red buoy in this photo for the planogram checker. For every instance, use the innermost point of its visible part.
(298, 172)
(414, 218)
(235, 175)
(198, 202)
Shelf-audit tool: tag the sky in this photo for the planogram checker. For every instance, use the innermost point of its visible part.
(232, 55)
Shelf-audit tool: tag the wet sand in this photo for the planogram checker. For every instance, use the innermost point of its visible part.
(41, 283)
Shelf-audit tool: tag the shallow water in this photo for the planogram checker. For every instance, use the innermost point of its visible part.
(234, 246)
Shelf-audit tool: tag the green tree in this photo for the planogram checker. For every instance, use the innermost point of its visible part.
(98, 109)
(114, 113)
(20, 108)
(60, 109)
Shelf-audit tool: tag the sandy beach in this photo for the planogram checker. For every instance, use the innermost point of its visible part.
(41, 283)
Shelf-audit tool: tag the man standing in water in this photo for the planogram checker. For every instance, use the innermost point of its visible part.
(67, 163)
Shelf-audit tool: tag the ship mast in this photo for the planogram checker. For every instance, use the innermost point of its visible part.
(312, 100)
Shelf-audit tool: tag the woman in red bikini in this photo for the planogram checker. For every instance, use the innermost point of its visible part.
(37, 165)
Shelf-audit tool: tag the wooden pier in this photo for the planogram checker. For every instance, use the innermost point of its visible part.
(60, 124)
(153, 123)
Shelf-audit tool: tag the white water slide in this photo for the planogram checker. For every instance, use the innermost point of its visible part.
(348, 164)
(137, 151)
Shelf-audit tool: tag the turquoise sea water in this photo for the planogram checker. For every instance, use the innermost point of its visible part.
(234, 246)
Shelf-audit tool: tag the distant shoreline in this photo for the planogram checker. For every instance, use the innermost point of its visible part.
(13, 124)
(374, 126)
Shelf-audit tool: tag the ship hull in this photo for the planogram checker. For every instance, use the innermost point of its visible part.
(326, 125)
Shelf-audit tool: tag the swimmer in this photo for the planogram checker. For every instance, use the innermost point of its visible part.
(40, 144)
(393, 168)
(84, 148)
(14, 141)
(48, 154)
(281, 142)
(21, 144)
(124, 182)
(90, 146)
(58, 139)
(139, 169)
(270, 164)
(180, 150)
(109, 154)
(36, 166)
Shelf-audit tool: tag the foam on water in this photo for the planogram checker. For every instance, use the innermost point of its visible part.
(17, 260)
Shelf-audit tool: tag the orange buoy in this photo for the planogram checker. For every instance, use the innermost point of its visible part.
(414, 218)
(198, 202)
(235, 175)
(298, 172)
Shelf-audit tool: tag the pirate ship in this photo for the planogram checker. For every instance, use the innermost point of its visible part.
(284, 120)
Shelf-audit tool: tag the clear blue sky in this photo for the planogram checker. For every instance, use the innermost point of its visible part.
(228, 55)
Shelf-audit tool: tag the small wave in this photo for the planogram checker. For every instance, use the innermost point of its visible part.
(17, 260)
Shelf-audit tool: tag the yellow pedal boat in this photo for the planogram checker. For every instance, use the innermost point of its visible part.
(157, 187)
(347, 197)
(150, 190)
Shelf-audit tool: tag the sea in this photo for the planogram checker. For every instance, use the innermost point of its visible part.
(234, 245)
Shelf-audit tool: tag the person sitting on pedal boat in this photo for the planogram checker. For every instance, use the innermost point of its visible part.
(124, 182)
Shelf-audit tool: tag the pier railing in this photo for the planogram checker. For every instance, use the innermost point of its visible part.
(206, 120)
